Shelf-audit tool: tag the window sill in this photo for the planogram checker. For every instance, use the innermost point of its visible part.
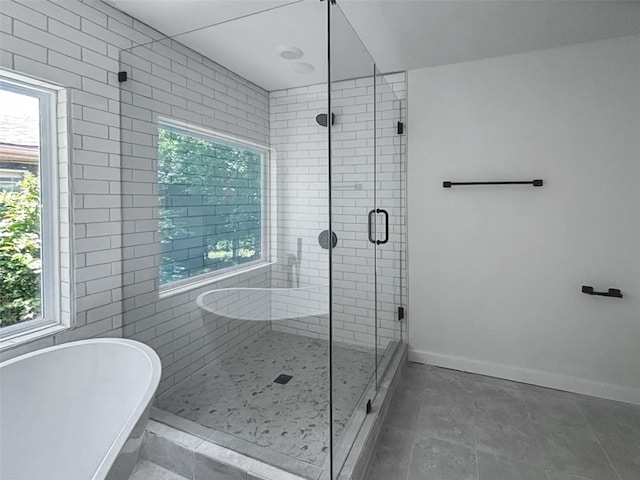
(196, 283)
(36, 333)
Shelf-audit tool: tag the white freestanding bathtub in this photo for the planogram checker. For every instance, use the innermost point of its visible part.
(76, 411)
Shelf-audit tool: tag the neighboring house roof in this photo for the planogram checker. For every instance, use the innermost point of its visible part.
(19, 139)
(17, 130)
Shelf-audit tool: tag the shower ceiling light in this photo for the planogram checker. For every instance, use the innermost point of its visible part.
(290, 53)
(302, 67)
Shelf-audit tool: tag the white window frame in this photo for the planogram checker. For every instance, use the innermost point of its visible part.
(49, 210)
(179, 286)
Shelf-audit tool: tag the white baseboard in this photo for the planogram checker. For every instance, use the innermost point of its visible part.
(524, 375)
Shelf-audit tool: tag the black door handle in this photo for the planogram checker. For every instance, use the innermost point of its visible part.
(371, 214)
(386, 226)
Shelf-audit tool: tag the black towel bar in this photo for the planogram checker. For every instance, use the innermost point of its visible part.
(613, 292)
(535, 183)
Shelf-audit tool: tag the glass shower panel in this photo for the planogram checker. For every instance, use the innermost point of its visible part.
(255, 195)
(224, 203)
(390, 252)
(353, 224)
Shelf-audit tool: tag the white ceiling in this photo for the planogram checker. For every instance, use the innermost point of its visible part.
(400, 34)
(249, 46)
(172, 17)
(403, 35)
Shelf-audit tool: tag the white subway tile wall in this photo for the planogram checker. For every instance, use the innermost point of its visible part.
(301, 146)
(302, 192)
(168, 80)
(112, 144)
(75, 45)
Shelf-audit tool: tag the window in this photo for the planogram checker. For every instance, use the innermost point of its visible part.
(29, 285)
(212, 203)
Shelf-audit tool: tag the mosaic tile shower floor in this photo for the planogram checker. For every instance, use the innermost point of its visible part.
(238, 395)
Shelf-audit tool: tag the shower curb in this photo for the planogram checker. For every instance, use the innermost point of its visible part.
(199, 459)
(357, 463)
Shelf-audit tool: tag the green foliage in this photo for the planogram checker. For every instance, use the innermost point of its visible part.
(211, 195)
(20, 265)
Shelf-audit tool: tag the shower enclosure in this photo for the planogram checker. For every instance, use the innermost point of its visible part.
(263, 209)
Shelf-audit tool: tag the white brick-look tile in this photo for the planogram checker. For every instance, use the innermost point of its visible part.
(50, 41)
(301, 148)
(166, 79)
(81, 45)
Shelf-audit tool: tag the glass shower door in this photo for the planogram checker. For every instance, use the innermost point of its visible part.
(390, 202)
(353, 336)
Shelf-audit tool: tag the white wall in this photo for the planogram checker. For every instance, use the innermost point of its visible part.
(495, 272)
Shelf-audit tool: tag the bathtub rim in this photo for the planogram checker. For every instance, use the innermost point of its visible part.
(151, 356)
(200, 299)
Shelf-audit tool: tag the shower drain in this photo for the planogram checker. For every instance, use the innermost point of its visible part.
(283, 379)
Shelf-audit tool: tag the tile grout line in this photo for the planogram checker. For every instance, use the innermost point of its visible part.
(606, 455)
(540, 441)
(475, 440)
(415, 437)
(413, 447)
(475, 432)
(595, 435)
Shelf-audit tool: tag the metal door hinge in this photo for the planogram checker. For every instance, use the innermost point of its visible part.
(400, 313)
(400, 128)
(368, 406)
(122, 76)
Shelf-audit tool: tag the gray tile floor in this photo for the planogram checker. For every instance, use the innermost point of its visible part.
(238, 395)
(449, 425)
(146, 470)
